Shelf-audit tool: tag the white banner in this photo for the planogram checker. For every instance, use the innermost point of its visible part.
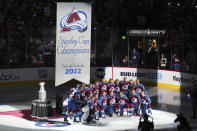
(73, 40)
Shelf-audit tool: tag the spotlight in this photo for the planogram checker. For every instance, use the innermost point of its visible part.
(145, 124)
(169, 3)
(178, 4)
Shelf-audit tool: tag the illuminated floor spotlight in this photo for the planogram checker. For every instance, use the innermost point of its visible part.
(162, 120)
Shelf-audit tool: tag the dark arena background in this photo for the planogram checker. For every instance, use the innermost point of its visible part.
(153, 41)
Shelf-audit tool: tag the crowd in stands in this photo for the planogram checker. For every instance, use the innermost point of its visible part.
(26, 37)
(20, 36)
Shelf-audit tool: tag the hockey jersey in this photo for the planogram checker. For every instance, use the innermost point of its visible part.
(103, 87)
(96, 90)
(102, 101)
(117, 88)
(139, 88)
(111, 100)
(122, 100)
(145, 100)
(110, 87)
(134, 99)
(124, 86)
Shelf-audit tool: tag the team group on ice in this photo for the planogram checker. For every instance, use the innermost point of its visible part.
(89, 103)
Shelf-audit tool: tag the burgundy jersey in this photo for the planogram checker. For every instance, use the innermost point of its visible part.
(96, 90)
(117, 88)
(134, 99)
(122, 100)
(139, 89)
(111, 87)
(103, 87)
(88, 91)
(95, 102)
(111, 100)
(125, 86)
(83, 93)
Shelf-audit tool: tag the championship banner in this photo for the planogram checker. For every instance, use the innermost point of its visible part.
(73, 40)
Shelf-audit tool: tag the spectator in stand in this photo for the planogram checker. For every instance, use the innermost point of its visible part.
(125, 61)
(134, 58)
(163, 62)
(116, 61)
(176, 62)
(149, 55)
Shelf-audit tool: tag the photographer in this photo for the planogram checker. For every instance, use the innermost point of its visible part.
(193, 97)
(145, 125)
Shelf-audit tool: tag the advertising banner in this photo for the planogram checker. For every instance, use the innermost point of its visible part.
(73, 41)
(161, 77)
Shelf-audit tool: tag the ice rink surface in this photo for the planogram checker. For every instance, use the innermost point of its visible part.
(163, 115)
(161, 120)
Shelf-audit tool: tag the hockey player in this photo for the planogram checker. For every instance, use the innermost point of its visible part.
(78, 91)
(103, 86)
(97, 107)
(131, 84)
(102, 104)
(83, 92)
(111, 86)
(122, 102)
(84, 86)
(96, 88)
(89, 94)
(117, 86)
(124, 86)
(93, 108)
(111, 103)
(73, 110)
(145, 103)
(139, 87)
(135, 102)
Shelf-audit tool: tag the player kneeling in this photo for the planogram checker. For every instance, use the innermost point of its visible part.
(135, 102)
(73, 109)
(145, 103)
(111, 103)
(122, 102)
(93, 106)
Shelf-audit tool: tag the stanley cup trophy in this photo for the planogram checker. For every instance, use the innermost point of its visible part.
(42, 92)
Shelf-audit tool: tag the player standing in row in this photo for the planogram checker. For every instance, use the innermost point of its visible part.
(139, 87)
(103, 86)
(111, 86)
(124, 86)
(96, 89)
(117, 86)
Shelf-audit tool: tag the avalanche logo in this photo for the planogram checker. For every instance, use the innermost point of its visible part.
(104, 87)
(112, 101)
(134, 100)
(117, 89)
(138, 90)
(75, 20)
(143, 101)
(122, 102)
(111, 89)
(125, 87)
